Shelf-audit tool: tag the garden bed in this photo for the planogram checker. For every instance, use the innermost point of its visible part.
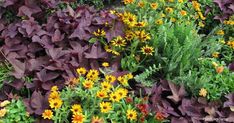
(130, 61)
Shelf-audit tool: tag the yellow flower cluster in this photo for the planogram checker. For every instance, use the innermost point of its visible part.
(231, 43)
(197, 7)
(124, 79)
(54, 98)
(77, 116)
(229, 22)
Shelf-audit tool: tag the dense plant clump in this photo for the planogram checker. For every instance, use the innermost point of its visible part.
(130, 61)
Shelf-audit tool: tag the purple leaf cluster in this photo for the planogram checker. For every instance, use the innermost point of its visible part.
(50, 51)
(174, 103)
(226, 7)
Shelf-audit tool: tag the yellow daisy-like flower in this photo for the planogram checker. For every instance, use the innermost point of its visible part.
(47, 114)
(183, 13)
(114, 97)
(147, 50)
(169, 9)
(131, 114)
(78, 118)
(196, 5)
(4, 103)
(129, 19)
(123, 80)
(107, 48)
(54, 95)
(105, 64)
(159, 22)
(141, 4)
(3, 112)
(220, 32)
(76, 108)
(56, 103)
(81, 71)
(110, 78)
(118, 42)
(140, 24)
(102, 94)
(105, 107)
(97, 120)
(122, 92)
(100, 33)
(180, 1)
(142, 35)
(88, 84)
(106, 86)
(172, 19)
(54, 88)
(115, 52)
(215, 54)
(128, 1)
(203, 92)
(162, 15)
(154, 6)
(231, 44)
(92, 75)
(129, 35)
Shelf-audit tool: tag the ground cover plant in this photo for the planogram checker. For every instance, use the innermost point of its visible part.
(130, 61)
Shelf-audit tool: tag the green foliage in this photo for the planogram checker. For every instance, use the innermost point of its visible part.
(146, 77)
(178, 48)
(16, 113)
(5, 68)
(216, 84)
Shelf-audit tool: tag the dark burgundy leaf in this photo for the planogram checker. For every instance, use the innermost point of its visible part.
(96, 52)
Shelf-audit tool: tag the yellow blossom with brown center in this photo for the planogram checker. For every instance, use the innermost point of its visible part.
(183, 13)
(96, 119)
(141, 4)
(88, 84)
(131, 114)
(215, 54)
(78, 118)
(147, 50)
(169, 9)
(100, 33)
(118, 42)
(128, 1)
(47, 114)
(154, 6)
(76, 108)
(159, 22)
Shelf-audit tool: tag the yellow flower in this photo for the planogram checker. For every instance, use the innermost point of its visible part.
(54, 88)
(114, 97)
(196, 5)
(147, 50)
(140, 24)
(141, 4)
(180, 1)
(214, 64)
(107, 48)
(118, 42)
(115, 52)
(106, 86)
(162, 15)
(219, 69)
(231, 44)
(97, 120)
(78, 118)
(123, 80)
(76, 108)
(159, 22)
(172, 19)
(183, 13)
(201, 16)
(142, 35)
(54, 95)
(169, 10)
(203, 92)
(4, 103)
(215, 54)
(122, 92)
(128, 1)
(3, 112)
(105, 107)
(47, 114)
(81, 71)
(131, 114)
(110, 78)
(129, 76)
(200, 24)
(129, 35)
(72, 82)
(220, 32)
(88, 84)
(92, 75)
(129, 19)
(100, 33)
(102, 94)
(56, 103)
(105, 64)
(154, 6)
